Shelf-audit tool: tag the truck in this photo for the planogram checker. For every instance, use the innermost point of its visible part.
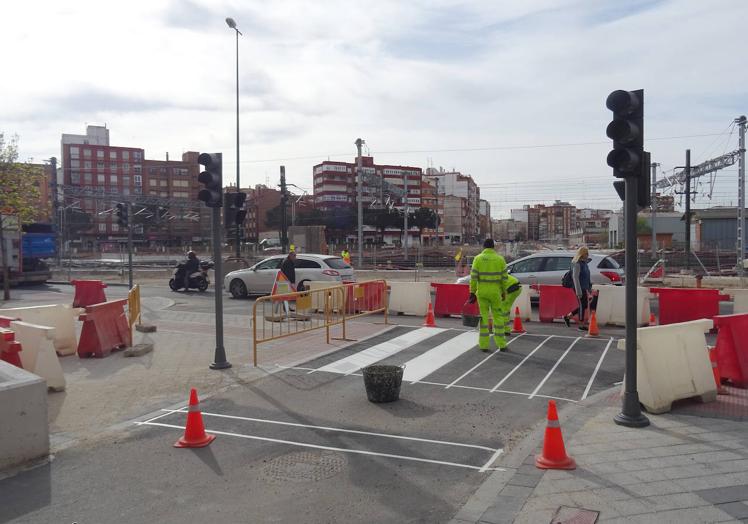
(26, 250)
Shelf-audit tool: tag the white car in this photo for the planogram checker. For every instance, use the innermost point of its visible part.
(258, 279)
(548, 267)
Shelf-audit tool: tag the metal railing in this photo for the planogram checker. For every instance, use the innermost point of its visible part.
(279, 316)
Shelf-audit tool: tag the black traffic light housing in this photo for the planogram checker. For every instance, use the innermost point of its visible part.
(627, 132)
(212, 179)
(643, 187)
(233, 213)
(123, 216)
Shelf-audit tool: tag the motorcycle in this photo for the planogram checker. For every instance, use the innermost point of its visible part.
(198, 280)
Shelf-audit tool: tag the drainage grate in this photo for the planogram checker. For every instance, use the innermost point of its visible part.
(567, 515)
(304, 466)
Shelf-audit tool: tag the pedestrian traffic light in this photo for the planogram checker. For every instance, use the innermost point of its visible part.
(211, 178)
(233, 213)
(644, 187)
(627, 132)
(123, 217)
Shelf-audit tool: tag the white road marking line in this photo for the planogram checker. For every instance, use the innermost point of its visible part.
(426, 363)
(478, 365)
(491, 460)
(547, 376)
(380, 351)
(522, 362)
(331, 448)
(597, 368)
(168, 412)
(341, 430)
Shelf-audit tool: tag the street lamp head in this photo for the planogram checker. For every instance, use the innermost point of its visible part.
(231, 23)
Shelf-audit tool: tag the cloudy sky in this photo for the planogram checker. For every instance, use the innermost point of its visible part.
(512, 93)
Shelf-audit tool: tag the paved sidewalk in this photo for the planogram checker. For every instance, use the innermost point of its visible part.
(681, 469)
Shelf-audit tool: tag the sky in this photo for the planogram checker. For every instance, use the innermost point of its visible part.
(512, 93)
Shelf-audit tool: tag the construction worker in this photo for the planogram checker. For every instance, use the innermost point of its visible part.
(488, 283)
(513, 289)
(346, 256)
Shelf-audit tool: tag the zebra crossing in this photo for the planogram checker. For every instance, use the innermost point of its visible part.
(541, 366)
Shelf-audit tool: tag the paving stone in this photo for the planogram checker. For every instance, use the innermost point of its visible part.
(666, 502)
(524, 480)
(516, 491)
(724, 494)
(660, 487)
(503, 510)
(700, 514)
(534, 517)
(738, 510)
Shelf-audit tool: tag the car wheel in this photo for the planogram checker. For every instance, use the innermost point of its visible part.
(238, 289)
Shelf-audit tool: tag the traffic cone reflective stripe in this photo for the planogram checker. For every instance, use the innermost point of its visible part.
(593, 330)
(554, 453)
(194, 432)
(715, 370)
(517, 327)
(429, 320)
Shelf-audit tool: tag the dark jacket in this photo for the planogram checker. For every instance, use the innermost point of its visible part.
(289, 269)
(580, 273)
(191, 265)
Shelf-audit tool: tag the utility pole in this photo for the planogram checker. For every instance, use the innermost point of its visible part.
(741, 121)
(284, 204)
(129, 243)
(688, 209)
(55, 208)
(405, 214)
(360, 202)
(653, 215)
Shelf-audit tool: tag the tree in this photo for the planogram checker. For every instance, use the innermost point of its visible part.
(424, 218)
(382, 219)
(642, 227)
(19, 198)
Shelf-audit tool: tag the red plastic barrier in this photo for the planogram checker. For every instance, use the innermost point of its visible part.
(105, 328)
(450, 298)
(555, 302)
(367, 296)
(5, 321)
(88, 292)
(732, 348)
(10, 348)
(681, 305)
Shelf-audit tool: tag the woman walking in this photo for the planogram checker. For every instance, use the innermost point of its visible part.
(580, 274)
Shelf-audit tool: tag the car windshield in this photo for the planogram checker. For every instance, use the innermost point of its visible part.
(336, 263)
(608, 263)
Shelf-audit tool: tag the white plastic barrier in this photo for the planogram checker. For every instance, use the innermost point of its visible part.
(672, 364)
(739, 300)
(409, 298)
(38, 354)
(523, 302)
(318, 299)
(611, 305)
(59, 316)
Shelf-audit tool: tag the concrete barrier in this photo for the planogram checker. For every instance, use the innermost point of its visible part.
(611, 305)
(59, 316)
(38, 355)
(739, 300)
(23, 411)
(409, 298)
(672, 364)
(523, 303)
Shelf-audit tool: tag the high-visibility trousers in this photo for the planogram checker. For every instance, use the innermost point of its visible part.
(507, 309)
(491, 306)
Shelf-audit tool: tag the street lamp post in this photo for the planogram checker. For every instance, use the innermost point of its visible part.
(232, 24)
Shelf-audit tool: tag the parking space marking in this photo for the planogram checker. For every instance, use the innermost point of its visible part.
(522, 362)
(548, 375)
(480, 469)
(478, 365)
(597, 368)
(426, 363)
(380, 351)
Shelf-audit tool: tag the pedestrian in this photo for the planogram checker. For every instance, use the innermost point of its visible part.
(346, 256)
(586, 298)
(513, 289)
(288, 268)
(488, 283)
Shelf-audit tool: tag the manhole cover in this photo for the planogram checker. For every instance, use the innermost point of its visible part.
(567, 515)
(304, 466)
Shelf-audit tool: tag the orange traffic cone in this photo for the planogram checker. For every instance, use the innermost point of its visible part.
(593, 330)
(194, 432)
(554, 453)
(652, 319)
(517, 327)
(429, 320)
(715, 369)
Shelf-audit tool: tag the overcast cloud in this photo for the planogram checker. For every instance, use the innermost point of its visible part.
(416, 80)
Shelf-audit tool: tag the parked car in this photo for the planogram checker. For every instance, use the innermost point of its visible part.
(258, 279)
(548, 267)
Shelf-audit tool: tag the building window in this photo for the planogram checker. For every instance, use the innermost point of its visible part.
(75, 164)
(125, 155)
(75, 178)
(112, 168)
(153, 182)
(113, 180)
(102, 228)
(101, 179)
(126, 181)
(162, 170)
(115, 227)
(126, 191)
(137, 169)
(87, 164)
(180, 183)
(181, 171)
(74, 152)
(181, 194)
(164, 194)
(87, 179)
(137, 156)
(86, 153)
(100, 165)
(112, 155)
(151, 170)
(100, 153)
(163, 183)
(138, 180)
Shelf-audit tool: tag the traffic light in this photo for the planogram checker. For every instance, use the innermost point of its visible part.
(123, 217)
(211, 178)
(233, 213)
(627, 132)
(643, 187)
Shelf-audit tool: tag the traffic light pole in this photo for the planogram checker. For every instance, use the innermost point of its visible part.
(129, 243)
(219, 359)
(631, 414)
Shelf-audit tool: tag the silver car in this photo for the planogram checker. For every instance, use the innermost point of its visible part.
(548, 267)
(258, 279)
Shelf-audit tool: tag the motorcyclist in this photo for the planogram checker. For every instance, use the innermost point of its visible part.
(191, 265)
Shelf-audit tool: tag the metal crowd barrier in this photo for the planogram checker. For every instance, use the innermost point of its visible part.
(280, 316)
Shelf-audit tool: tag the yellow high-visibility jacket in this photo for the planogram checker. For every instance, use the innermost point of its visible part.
(488, 276)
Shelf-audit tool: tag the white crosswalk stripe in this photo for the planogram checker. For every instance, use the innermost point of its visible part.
(425, 364)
